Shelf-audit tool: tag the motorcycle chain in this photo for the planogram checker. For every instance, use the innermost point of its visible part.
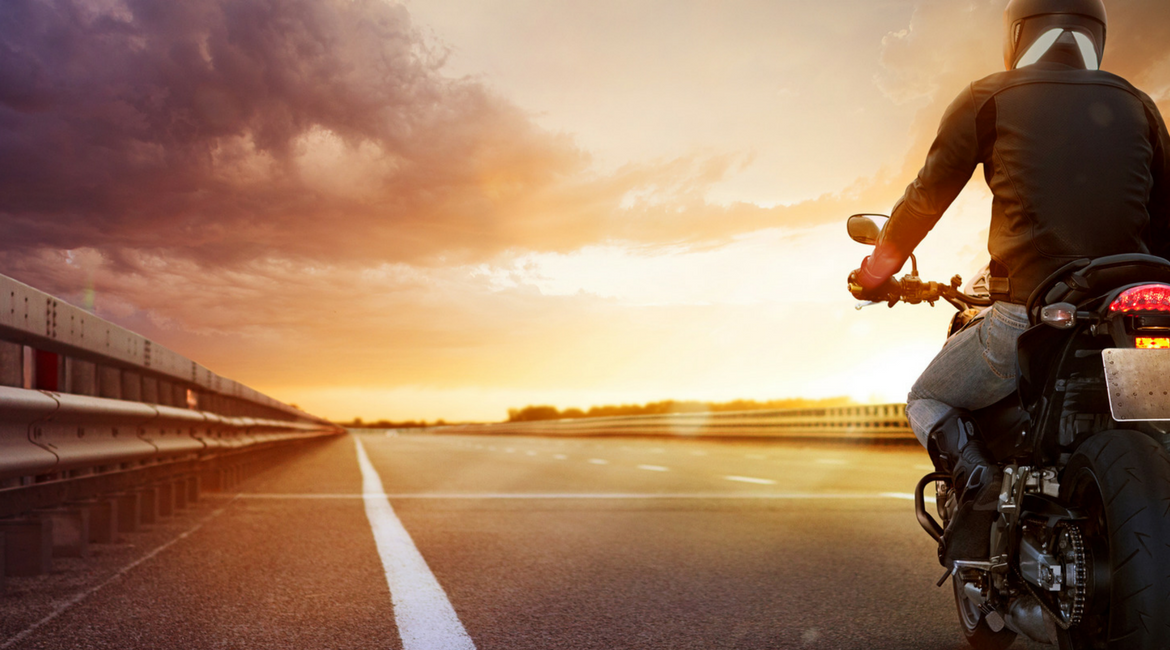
(1077, 611)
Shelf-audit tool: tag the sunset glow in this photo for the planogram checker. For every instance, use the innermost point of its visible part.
(441, 209)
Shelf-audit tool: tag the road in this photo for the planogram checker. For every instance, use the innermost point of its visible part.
(519, 543)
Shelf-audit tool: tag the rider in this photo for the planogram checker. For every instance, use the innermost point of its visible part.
(1078, 162)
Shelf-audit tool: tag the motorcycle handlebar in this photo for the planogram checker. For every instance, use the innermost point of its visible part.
(912, 290)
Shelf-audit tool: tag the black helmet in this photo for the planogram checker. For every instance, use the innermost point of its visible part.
(1079, 23)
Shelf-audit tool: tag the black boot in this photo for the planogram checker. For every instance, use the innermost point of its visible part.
(956, 448)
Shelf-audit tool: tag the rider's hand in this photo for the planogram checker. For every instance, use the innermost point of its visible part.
(887, 291)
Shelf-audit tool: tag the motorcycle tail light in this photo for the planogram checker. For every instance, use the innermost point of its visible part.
(1153, 342)
(1147, 297)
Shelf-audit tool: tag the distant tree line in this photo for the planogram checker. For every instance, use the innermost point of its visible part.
(534, 413)
(387, 424)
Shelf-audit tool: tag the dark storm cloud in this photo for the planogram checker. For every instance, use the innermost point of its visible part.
(230, 129)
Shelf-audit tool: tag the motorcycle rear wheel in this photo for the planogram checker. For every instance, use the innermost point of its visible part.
(1121, 481)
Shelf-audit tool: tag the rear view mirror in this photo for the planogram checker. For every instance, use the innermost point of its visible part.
(862, 228)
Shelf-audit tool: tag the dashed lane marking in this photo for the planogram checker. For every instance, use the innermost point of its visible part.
(832, 461)
(560, 456)
(599, 461)
(425, 618)
(749, 479)
(530, 453)
(654, 468)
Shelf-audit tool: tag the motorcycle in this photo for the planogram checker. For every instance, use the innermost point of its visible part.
(1080, 550)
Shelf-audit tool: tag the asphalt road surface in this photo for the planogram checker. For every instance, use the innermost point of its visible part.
(426, 542)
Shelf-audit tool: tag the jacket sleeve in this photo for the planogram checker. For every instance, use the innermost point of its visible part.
(1159, 205)
(949, 165)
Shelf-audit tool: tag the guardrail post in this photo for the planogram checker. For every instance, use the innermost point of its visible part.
(148, 505)
(70, 530)
(166, 499)
(179, 488)
(166, 393)
(109, 382)
(131, 386)
(150, 390)
(11, 364)
(193, 488)
(129, 509)
(103, 519)
(82, 377)
(28, 545)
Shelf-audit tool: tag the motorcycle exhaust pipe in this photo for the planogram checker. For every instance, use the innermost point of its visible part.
(1026, 616)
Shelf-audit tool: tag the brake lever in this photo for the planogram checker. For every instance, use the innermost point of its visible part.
(869, 303)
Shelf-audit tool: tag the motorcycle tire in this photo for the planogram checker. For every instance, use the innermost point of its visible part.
(973, 624)
(1121, 481)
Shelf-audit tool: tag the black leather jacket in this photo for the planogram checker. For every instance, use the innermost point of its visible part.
(1078, 162)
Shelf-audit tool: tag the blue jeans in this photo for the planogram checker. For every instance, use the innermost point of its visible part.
(976, 368)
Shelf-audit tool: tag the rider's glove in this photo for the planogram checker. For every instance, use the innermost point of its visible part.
(887, 290)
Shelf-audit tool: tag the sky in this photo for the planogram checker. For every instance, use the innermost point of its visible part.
(444, 209)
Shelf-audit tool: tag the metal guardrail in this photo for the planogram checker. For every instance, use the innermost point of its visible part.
(871, 423)
(88, 407)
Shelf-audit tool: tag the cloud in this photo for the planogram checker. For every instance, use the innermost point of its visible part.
(226, 130)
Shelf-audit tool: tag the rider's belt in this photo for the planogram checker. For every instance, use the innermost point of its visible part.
(999, 288)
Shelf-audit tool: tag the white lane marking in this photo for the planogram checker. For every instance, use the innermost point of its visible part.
(510, 450)
(654, 468)
(425, 618)
(560, 457)
(599, 461)
(491, 448)
(658, 450)
(755, 456)
(749, 479)
(906, 496)
(78, 597)
(782, 496)
(832, 461)
(530, 453)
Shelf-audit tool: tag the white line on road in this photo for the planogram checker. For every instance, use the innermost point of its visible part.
(654, 468)
(906, 496)
(832, 461)
(599, 461)
(749, 479)
(425, 618)
(530, 453)
(560, 457)
(77, 598)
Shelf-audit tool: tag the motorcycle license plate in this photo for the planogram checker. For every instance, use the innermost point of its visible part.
(1139, 383)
